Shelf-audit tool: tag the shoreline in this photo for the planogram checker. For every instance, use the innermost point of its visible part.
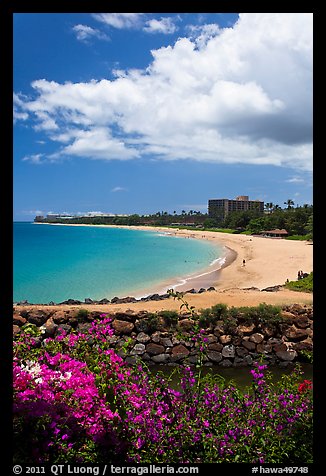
(268, 262)
(203, 278)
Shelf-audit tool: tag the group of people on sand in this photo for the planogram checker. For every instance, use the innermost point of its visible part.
(301, 274)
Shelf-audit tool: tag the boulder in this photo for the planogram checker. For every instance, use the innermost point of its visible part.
(302, 321)
(156, 337)
(210, 339)
(274, 341)
(24, 313)
(287, 316)
(264, 348)
(50, 327)
(152, 297)
(154, 349)
(59, 317)
(216, 346)
(18, 320)
(122, 327)
(131, 359)
(186, 324)
(219, 328)
(104, 301)
(225, 363)
(160, 358)
(243, 330)
(166, 341)
(191, 291)
(228, 351)
(287, 355)
(297, 309)
(280, 347)
(248, 345)
(306, 344)
(248, 359)
(214, 356)
(225, 339)
(267, 330)
(138, 349)
(179, 352)
(126, 300)
(193, 359)
(143, 338)
(272, 289)
(293, 333)
(241, 351)
(37, 317)
(257, 338)
(71, 302)
(15, 329)
(115, 299)
(129, 316)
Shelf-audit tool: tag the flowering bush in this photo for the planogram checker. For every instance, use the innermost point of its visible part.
(76, 400)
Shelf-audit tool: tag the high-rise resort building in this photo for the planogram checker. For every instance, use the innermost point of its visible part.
(221, 207)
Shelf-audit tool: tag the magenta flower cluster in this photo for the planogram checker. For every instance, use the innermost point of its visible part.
(79, 401)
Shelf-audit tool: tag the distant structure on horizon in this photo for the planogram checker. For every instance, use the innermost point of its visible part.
(221, 207)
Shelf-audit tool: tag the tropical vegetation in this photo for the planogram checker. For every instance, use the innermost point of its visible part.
(76, 400)
(297, 220)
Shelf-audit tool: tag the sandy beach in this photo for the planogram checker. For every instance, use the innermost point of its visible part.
(268, 262)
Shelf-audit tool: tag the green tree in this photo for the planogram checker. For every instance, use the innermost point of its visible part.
(309, 226)
(269, 207)
(289, 203)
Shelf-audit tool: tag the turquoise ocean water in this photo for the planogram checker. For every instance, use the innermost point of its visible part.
(56, 263)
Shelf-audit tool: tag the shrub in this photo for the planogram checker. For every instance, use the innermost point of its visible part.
(82, 314)
(171, 317)
(261, 314)
(76, 400)
(304, 284)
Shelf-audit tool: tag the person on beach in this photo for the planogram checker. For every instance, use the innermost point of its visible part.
(243, 262)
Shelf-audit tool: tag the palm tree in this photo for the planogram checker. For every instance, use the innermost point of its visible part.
(289, 203)
(269, 207)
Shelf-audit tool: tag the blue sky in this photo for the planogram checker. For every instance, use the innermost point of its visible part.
(145, 112)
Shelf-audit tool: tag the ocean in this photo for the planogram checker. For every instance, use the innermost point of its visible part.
(56, 263)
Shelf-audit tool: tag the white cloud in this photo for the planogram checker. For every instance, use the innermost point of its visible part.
(18, 105)
(165, 25)
(120, 20)
(33, 159)
(33, 212)
(98, 144)
(119, 189)
(85, 32)
(238, 95)
(202, 33)
(295, 180)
